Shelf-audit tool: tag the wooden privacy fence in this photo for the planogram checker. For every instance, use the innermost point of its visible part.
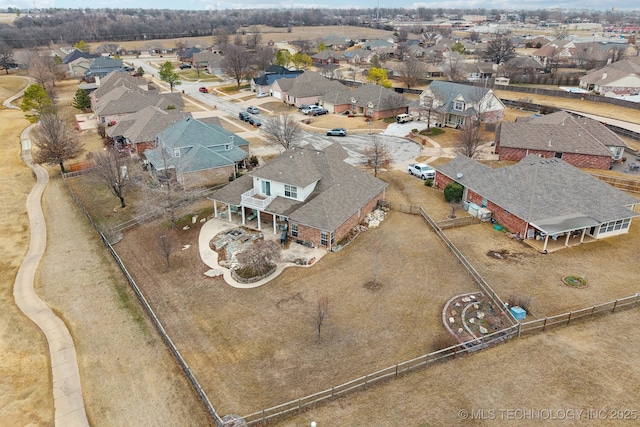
(455, 222)
(269, 414)
(585, 313)
(624, 184)
(154, 319)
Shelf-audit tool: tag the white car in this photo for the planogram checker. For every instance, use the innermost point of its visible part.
(310, 109)
(262, 95)
(253, 110)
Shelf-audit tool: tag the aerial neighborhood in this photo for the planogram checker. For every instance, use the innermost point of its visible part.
(248, 217)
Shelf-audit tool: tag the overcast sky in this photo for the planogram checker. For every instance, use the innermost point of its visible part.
(250, 4)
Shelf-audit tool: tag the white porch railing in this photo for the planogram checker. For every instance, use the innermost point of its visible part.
(261, 202)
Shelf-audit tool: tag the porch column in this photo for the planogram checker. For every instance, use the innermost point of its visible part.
(259, 224)
(229, 212)
(546, 240)
(275, 226)
(566, 240)
(584, 231)
(215, 209)
(243, 216)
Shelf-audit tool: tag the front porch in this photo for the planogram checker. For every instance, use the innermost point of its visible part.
(251, 218)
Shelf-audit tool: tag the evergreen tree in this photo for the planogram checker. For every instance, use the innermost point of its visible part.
(82, 100)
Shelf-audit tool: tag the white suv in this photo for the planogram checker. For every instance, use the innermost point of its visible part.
(310, 109)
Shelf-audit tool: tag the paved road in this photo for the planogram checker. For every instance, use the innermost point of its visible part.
(402, 149)
(67, 390)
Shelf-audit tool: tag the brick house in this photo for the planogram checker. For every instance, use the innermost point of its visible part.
(327, 57)
(304, 89)
(314, 194)
(115, 102)
(196, 154)
(138, 131)
(370, 100)
(619, 77)
(579, 141)
(543, 199)
(454, 103)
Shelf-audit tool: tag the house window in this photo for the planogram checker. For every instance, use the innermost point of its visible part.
(621, 224)
(324, 237)
(291, 191)
(458, 105)
(176, 152)
(294, 230)
(558, 155)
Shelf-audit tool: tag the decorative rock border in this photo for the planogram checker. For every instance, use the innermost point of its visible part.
(581, 285)
(252, 279)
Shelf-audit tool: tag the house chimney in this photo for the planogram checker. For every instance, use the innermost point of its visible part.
(604, 75)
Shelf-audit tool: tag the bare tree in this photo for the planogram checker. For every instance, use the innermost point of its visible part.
(320, 315)
(166, 245)
(329, 70)
(253, 37)
(237, 62)
(410, 71)
(403, 34)
(56, 141)
(102, 130)
(453, 66)
(377, 155)
(6, 56)
(42, 69)
(282, 130)
(468, 141)
(221, 37)
(261, 256)
(561, 33)
(500, 50)
(264, 57)
(112, 169)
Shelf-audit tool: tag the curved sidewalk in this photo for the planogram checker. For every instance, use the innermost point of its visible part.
(215, 226)
(67, 391)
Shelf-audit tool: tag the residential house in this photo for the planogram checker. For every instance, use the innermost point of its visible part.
(307, 88)
(138, 131)
(154, 48)
(186, 55)
(555, 52)
(336, 42)
(76, 54)
(327, 57)
(480, 71)
(196, 154)
(579, 141)
(102, 66)
(313, 194)
(547, 202)
(378, 44)
(369, 100)
(209, 60)
(116, 79)
(359, 56)
(455, 103)
(622, 77)
(265, 82)
(123, 100)
(108, 49)
(521, 65)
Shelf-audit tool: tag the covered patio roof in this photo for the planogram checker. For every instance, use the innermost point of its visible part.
(564, 223)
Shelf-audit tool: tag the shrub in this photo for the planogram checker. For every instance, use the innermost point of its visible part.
(428, 182)
(414, 130)
(436, 131)
(453, 192)
(524, 302)
(253, 161)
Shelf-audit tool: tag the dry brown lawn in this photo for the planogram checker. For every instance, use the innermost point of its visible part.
(128, 376)
(256, 348)
(591, 365)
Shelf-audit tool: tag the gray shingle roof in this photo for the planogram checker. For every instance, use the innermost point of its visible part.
(310, 84)
(123, 100)
(542, 190)
(340, 191)
(559, 132)
(146, 124)
(380, 97)
(201, 147)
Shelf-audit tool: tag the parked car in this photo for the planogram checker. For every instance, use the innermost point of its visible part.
(403, 118)
(262, 95)
(318, 112)
(244, 116)
(184, 66)
(337, 132)
(421, 170)
(253, 110)
(254, 121)
(310, 109)
(203, 90)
